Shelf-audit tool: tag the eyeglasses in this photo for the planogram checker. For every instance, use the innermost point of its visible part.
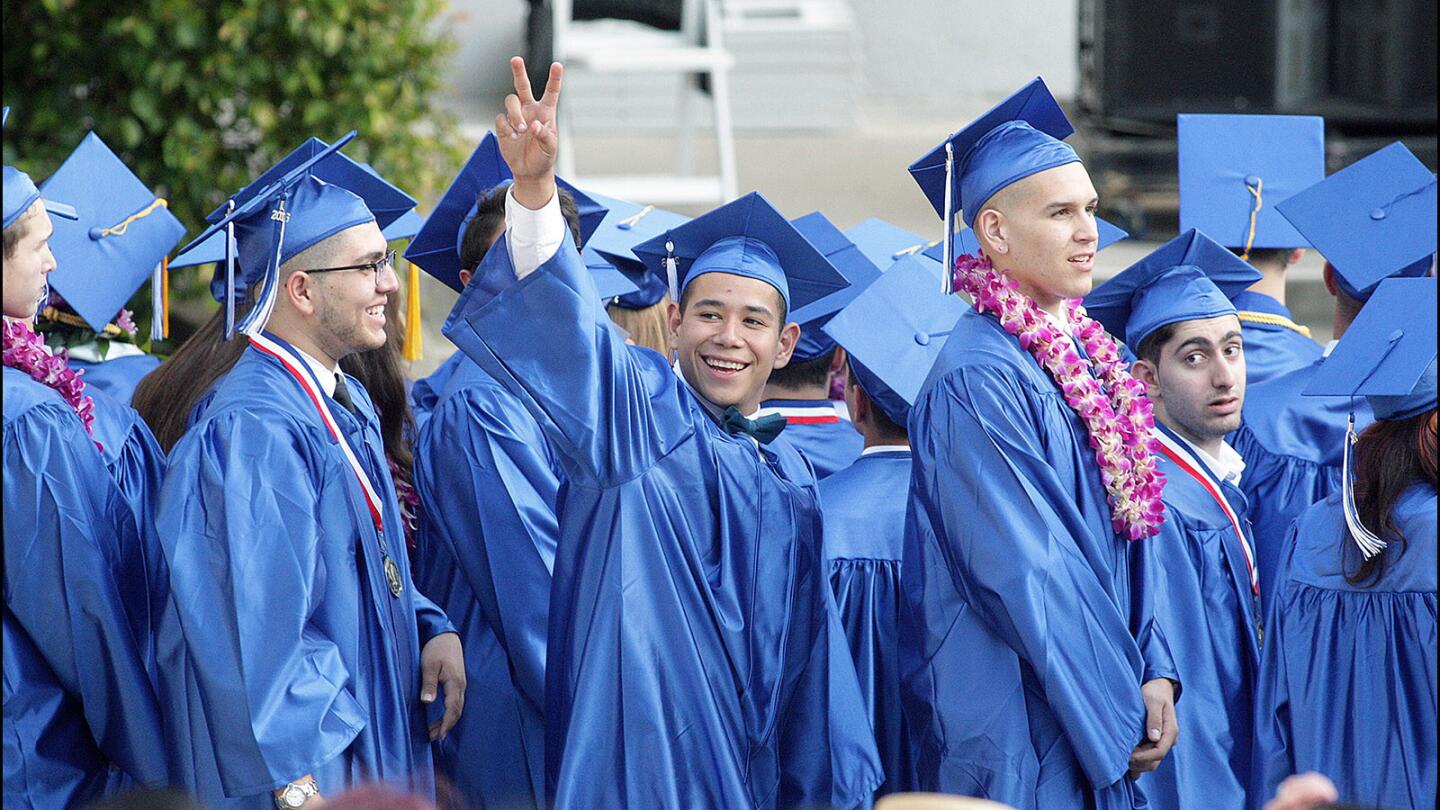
(378, 267)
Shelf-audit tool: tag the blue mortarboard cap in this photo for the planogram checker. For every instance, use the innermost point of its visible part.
(436, 246)
(21, 193)
(403, 228)
(608, 279)
(884, 243)
(745, 237)
(1387, 354)
(277, 221)
(852, 264)
(122, 235)
(1189, 278)
(1372, 220)
(1018, 137)
(626, 225)
(1230, 164)
(966, 243)
(893, 331)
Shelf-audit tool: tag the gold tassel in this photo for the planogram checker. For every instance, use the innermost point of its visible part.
(165, 298)
(413, 350)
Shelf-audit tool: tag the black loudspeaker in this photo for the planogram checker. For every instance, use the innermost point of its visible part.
(1363, 64)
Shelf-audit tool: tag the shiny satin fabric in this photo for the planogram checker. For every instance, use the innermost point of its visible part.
(1292, 446)
(1348, 675)
(425, 392)
(1026, 627)
(488, 483)
(695, 658)
(78, 696)
(864, 512)
(117, 377)
(298, 658)
(828, 446)
(1209, 614)
(1271, 349)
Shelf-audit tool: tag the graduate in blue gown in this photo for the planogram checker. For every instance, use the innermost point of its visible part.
(310, 656)
(694, 654)
(81, 713)
(1291, 443)
(488, 481)
(1174, 306)
(1031, 669)
(1235, 170)
(892, 332)
(117, 244)
(1348, 672)
(800, 391)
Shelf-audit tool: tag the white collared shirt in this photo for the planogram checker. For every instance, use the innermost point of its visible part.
(885, 448)
(1228, 467)
(326, 376)
(532, 236)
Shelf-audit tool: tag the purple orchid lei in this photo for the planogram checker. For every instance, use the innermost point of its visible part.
(1114, 408)
(23, 350)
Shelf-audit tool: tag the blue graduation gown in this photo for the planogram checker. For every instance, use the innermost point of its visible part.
(1026, 626)
(695, 658)
(1292, 446)
(118, 376)
(78, 691)
(488, 482)
(1348, 675)
(819, 432)
(1210, 618)
(1271, 349)
(131, 453)
(299, 659)
(864, 510)
(425, 392)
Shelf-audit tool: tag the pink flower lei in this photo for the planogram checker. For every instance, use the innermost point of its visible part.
(1114, 408)
(24, 350)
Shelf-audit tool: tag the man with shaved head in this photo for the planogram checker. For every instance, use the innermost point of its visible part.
(1032, 490)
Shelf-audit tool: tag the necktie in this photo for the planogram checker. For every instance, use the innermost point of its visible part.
(764, 429)
(342, 395)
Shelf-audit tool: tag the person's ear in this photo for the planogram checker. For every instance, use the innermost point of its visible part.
(1295, 256)
(1149, 376)
(789, 336)
(858, 402)
(1329, 275)
(991, 231)
(465, 276)
(837, 362)
(672, 320)
(301, 291)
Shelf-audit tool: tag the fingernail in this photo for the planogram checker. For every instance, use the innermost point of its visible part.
(429, 696)
(1155, 734)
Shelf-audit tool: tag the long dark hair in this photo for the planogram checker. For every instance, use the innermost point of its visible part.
(166, 395)
(1389, 458)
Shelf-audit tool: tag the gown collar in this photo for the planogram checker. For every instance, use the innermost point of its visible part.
(1226, 468)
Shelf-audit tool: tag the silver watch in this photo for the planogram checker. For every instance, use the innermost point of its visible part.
(295, 794)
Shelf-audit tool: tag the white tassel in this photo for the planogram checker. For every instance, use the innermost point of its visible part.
(157, 303)
(672, 271)
(948, 271)
(1370, 544)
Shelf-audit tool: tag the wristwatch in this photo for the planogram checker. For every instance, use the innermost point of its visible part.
(295, 794)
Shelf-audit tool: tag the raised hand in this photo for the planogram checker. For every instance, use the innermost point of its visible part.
(528, 137)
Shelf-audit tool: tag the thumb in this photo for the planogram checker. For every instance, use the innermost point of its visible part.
(429, 675)
(1154, 719)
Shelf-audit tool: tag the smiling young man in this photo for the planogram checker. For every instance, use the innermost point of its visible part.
(695, 658)
(1016, 574)
(81, 712)
(1176, 308)
(309, 653)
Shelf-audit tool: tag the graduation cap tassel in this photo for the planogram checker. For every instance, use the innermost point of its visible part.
(947, 275)
(254, 321)
(157, 303)
(413, 349)
(672, 270)
(230, 274)
(165, 298)
(1369, 543)
(1254, 212)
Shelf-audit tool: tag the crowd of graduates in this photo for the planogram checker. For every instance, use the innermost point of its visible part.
(733, 510)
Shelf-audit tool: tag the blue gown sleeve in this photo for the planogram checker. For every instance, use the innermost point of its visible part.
(1146, 589)
(1272, 755)
(1008, 525)
(246, 573)
(430, 619)
(82, 600)
(609, 411)
(490, 497)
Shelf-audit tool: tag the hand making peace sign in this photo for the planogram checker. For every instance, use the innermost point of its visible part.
(528, 136)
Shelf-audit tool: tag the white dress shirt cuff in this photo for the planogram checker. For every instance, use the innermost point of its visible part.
(533, 236)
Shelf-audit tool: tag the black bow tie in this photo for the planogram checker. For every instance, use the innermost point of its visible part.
(764, 429)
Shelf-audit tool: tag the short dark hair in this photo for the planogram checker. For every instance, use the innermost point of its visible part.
(889, 429)
(17, 231)
(1259, 256)
(799, 373)
(1149, 348)
(489, 221)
